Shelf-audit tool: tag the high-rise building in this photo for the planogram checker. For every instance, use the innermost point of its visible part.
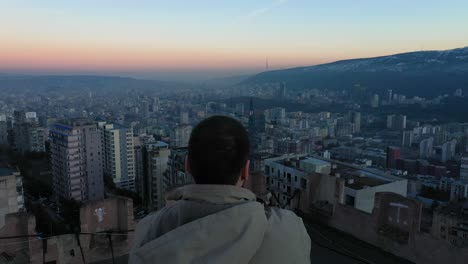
(184, 118)
(180, 136)
(282, 91)
(157, 156)
(407, 138)
(139, 143)
(389, 96)
(253, 131)
(390, 119)
(393, 154)
(19, 116)
(426, 148)
(176, 175)
(458, 92)
(448, 150)
(29, 137)
(277, 114)
(118, 156)
(459, 190)
(464, 168)
(397, 122)
(375, 101)
(356, 121)
(144, 108)
(343, 127)
(3, 130)
(155, 105)
(240, 109)
(76, 163)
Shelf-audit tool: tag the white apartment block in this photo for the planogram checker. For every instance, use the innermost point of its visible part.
(288, 173)
(361, 187)
(118, 154)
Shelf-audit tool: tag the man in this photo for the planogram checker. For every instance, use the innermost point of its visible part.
(216, 220)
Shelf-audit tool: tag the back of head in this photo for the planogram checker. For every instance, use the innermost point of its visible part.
(218, 150)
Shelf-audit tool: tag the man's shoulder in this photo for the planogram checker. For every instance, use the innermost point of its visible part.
(286, 231)
(284, 220)
(282, 215)
(153, 224)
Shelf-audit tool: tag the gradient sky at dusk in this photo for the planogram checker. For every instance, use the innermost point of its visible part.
(132, 37)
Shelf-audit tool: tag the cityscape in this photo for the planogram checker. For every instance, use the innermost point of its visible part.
(371, 152)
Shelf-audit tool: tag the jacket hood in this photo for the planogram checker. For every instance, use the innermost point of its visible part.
(216, 194)
(233, 235)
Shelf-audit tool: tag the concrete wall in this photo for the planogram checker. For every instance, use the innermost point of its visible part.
(364, 199)
(108, 214)
(419, 248)
(8, 197)
(99, 216)
(15, 224)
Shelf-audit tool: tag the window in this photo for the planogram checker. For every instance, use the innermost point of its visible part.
(303, 183)
(350, 200)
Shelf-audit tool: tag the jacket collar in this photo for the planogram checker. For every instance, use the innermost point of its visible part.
(216, 194)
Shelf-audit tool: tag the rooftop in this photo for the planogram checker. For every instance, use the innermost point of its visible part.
(6, 171)
(358, 183)
(316, 162)
(158, 144)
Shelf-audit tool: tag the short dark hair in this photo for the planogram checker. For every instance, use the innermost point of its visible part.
(218, 150)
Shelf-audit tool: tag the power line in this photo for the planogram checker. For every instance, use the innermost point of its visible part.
(19, 242)
(38, 237)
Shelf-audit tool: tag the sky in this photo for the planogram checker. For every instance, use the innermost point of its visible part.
(214, 38)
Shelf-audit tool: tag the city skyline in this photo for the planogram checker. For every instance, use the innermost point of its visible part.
(209, 39)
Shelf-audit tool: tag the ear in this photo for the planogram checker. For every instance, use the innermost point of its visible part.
(187, 166)
(245, 172)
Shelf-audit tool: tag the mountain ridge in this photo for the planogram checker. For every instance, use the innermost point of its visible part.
(407, 70)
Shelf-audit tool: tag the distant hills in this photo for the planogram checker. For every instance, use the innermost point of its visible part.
(422, 73)
(70, 83)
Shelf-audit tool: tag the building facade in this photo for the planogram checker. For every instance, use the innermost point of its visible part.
(180, 136)
(393, 154)
(11, 193)
(176, 175)
(3, 130)
(118, 154)
(76, 163)
(288, 174)
(29, 137)
(464, 169)
(157, 157)
(361, 188)
(451, 224)
(426, 148)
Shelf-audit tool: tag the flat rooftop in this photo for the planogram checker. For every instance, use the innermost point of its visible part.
(6, 171)
(362, 182)
(315, 161)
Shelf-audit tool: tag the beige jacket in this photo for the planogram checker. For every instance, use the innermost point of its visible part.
(219, 224)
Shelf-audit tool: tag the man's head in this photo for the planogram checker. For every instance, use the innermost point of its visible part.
(218, 152)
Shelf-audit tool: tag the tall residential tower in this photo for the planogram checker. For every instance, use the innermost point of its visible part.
(118, 154)
(76, 163)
